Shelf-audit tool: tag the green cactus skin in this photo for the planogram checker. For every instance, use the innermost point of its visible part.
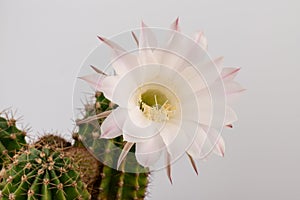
(88, 166)
(11, 140)
(42, 173)
(112, 184)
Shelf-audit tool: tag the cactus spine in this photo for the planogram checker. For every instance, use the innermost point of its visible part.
(43, 172)
(11, 139)
(112, 184)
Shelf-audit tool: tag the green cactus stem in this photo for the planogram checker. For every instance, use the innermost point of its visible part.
(11, 140)
(112, 184)
(42, 173)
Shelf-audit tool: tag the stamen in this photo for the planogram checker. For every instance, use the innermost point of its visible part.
(155, 99)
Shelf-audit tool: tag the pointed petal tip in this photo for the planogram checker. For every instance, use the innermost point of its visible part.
(143, 25)
(168, 159)
(124, 153)
(169, 174)
(175, 25)
(98, 70)
(229, 126)
(193, 163)
(101, 38)
(177, 21)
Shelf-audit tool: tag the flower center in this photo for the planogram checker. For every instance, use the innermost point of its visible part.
(157, 102)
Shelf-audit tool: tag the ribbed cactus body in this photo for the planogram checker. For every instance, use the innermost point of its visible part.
(88, 166)
(43, 173)
(120, 185)
(11, 140)
(112, 184)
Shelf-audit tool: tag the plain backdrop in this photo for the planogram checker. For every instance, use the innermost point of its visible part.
(43, 43)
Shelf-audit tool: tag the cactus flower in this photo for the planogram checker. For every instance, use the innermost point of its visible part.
(164, 102)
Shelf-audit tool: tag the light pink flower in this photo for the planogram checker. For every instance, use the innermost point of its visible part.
(165, 102)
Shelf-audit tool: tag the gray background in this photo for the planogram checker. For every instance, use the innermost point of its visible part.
(42, 45)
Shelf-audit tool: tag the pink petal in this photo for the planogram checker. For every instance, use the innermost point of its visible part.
(147, 37)
(230, 116)
(95, 80)
(213, 143)
(147, 42)
(122, 60)
(175, 25)
(220, 147)
(195, 149)
(201, 40)
(229, 73)
(112, 125)
(232, 87)
(124, 153)
(170, 131)
(136, 131)
(108, 86)
(125, 62)
(194, 78)
(111, 44)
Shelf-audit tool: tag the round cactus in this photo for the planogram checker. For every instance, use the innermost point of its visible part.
(11, 139)
(42, 173)
(52, 140)
(89, 166)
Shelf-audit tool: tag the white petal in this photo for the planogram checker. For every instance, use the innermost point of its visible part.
(201, 40)
(95, 80)
(112, 125)
(213, 143)
(175, 25)
(122, 60)
(194, 78)
(232, 87)
(124, 152)
(229, 73)
(130, 138)
(147, 37)
(195, 149)
(130, 82)
(149, 152)
(147, 43)
(170, 131)
(123, 63)
(198, 107)
(138, 118)
(111, 44)
(183, 140)
(178, 146)
(134, 132)
(220, 147)
(230, 116)
(109, 84)
(210, 71)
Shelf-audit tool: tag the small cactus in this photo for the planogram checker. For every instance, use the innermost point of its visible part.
(11, 139)
(42, 172)
(112, 184)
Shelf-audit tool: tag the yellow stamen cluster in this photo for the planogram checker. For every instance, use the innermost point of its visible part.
(156, 106)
